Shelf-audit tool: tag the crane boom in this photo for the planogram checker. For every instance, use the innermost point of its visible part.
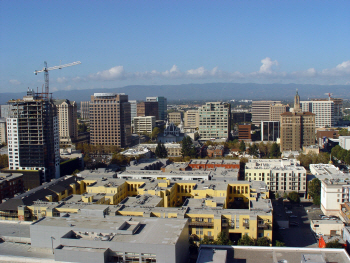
(46, 74)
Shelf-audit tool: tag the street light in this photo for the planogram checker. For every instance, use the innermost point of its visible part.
(52, 239)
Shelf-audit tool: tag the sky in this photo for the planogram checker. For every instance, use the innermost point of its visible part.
(122, 43)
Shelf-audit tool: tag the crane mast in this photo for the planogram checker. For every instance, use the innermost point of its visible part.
(46, 75)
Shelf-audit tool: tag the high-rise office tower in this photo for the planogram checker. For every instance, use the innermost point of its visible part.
(261, 111)
(297, 128)
(214, 120)
(85, 110)
(162, 106)
(33, 137)
(110, 119)
(67, 121)
(148, 108)
(133, 106)
(324, 110)
(3, 131)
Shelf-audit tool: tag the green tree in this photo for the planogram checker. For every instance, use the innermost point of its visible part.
(263, 150)
(314, 190)
(222, 239)
(280, 243)
(335, 150)
(275, 151)
(242, 147)
(186, 146)
(161, 151)
(263, 241)
(334, 244)
(206, 241)
(253, 150)
(76, 171)
(294, 197)
(155, 132)
(4, 161)
(246, 241)
(347, 158)
(342, 154)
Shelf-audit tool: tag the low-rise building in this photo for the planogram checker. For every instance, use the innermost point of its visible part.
(173, 149)
(327, 227)
(215, 151)
(344, 142)
(280, 175)
(334, 192)
(10, 185)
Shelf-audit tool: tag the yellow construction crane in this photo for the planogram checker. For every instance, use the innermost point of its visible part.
(46, 74)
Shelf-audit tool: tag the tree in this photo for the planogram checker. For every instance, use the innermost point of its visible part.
(314, 190)
(341, 154)
(3, 161)
(242, 147)
(347, 158)
(334, 244)
(196, 136)
(294, 197)
(335, 150)
(263, 241)
(161, 151)
(277, 195)
(155, 132)
(222, 239)
(280, 243)
(186, 146)
(76, 171)
(275, 151)
(253, 150)
(246, 241)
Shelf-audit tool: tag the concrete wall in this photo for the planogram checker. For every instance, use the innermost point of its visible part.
(80, 255)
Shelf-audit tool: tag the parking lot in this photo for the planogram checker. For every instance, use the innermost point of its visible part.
(299, 233)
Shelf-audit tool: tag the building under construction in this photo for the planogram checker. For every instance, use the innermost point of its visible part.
(33, 137)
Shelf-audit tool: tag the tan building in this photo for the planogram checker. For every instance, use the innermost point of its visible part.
(85, 110)
(175, 117)
(261, 111)
(3, 138)
(110, 119)
(67, 121)
(244, 132)
(191, 119)
(297, 128)
(144, 124)
(276, 110)
(148, 108)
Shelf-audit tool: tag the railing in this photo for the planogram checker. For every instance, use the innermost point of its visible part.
(263, 225)
(201, 223)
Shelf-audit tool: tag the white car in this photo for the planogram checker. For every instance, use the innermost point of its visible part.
(289, 212)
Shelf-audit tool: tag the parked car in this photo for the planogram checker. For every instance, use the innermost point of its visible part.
(289, 212)
(293, 216)
(294, 224)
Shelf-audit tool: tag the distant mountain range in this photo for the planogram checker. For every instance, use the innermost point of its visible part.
(207, 91)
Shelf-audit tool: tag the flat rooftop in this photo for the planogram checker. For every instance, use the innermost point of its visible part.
(239, 254)
(149, 230)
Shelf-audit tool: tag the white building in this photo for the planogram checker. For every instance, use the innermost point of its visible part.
(324, 111)
(191, 119)
(144, 124)
(334, 192)
(280, 175)
(344, 142)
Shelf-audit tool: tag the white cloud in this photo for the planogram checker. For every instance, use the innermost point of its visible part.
(15, 82)
(266, 67)
(265, 74)
(62, 80)
(115, 73)
(69, 87)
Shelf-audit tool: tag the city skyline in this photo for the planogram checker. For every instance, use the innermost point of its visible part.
(156, 43)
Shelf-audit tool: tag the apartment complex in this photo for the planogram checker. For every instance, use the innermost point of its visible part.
(235, 208)
(276, 110)
(85, 110)
(33, 136)
(191, 119)
(297, 128)
(280, 175)
(334, 192)
(324, 111)
(67, 121)
(162, 106)
(3, 131)
(148, 108)
(110, 121)
(214, 120)
(261, 110)
(144, 124)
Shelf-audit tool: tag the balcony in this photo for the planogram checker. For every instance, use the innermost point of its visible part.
(263, 225)
(204, 223)
(246, 225)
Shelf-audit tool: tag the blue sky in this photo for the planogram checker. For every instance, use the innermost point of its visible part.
(173, 42)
